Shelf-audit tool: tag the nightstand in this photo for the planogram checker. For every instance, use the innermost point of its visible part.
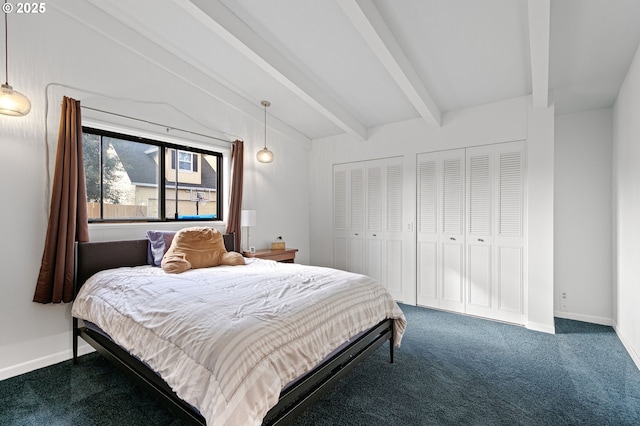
(287, 255)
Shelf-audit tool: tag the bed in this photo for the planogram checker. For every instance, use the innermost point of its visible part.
(103, 263)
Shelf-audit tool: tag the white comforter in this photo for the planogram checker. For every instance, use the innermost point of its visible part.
(227, 339)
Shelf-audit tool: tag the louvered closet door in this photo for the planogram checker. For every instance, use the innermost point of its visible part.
(452, 231)
(349, 215)
(440, 230)
(495, 231)
(357, 218)
(340, 216)
(374, 220)
(479, 229)
(393, 236)
(367, 221)
(384, 239)
(510, 240)
(427, 204)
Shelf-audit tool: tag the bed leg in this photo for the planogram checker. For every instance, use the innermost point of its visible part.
(391, 350)
(75, 341)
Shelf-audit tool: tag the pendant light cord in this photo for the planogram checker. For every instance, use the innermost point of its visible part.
(6, 47)
(265, 104)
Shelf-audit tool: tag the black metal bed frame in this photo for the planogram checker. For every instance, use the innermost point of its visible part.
(94, 257)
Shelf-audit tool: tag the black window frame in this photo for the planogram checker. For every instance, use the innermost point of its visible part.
(162, 167)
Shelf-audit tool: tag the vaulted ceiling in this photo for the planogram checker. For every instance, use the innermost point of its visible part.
(345, 66)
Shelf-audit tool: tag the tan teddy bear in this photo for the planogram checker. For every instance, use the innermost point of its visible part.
(198, 247)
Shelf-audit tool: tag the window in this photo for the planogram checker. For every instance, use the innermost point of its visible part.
(187, 161)
(136, 179)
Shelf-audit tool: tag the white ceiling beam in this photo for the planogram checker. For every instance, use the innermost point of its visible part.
(367, 20)
(539, 29)
(90, 14)
(218, 18)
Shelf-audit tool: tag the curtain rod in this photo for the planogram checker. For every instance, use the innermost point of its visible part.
(155, 124)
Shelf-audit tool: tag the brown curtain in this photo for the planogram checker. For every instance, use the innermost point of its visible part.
(235, 203)
(68, 212)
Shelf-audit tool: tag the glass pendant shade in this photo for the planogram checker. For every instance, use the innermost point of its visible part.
(264, 155)
(12, 102)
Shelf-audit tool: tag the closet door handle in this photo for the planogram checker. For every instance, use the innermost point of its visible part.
(452, 239)
(481, 240)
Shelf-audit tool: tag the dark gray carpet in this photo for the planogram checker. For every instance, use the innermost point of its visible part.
(450, 370)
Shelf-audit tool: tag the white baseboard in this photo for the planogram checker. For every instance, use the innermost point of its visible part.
(45, 361)
(544, 328)
(583, 318)
(604, 321)
(630, 350)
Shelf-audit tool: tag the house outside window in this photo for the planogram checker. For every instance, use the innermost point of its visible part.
(135, 179)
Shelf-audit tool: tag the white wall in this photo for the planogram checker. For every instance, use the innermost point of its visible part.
(34, 335)
(54, 47)
(626, 210)
(582, 217)
(505, 121)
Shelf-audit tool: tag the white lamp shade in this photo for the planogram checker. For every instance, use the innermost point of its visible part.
(248, 218)
(12, 102)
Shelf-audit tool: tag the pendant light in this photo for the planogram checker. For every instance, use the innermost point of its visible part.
(264, 155)
(11, 102)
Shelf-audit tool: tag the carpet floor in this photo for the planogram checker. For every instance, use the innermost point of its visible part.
(450, 370)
